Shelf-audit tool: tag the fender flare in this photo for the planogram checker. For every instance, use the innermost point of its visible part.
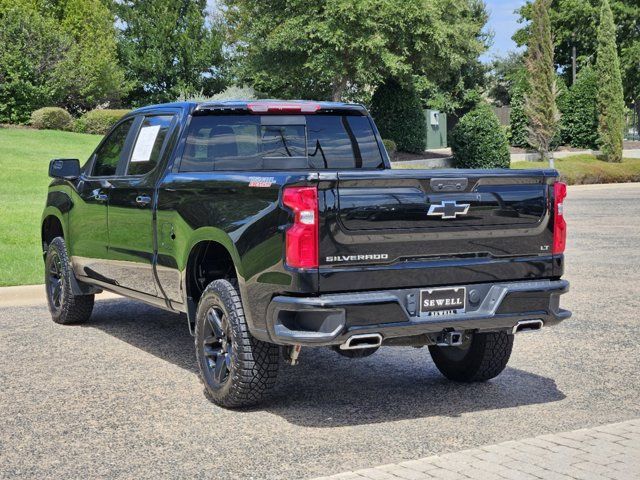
(208, 234)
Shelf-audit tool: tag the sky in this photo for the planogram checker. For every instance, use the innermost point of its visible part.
(503, 22)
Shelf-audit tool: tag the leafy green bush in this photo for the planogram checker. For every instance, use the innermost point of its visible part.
(579, 123)
(398, 114)
(479, 141)
(51, 118)
(391, 146)
(98, 121)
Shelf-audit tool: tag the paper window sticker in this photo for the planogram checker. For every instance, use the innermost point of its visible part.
(144, 144)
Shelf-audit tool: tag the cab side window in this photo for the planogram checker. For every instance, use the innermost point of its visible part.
(148, 145)
(108, 154)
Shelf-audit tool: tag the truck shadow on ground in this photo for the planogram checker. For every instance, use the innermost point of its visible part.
(328, 390)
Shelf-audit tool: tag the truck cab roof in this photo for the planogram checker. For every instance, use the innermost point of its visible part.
(265, 106)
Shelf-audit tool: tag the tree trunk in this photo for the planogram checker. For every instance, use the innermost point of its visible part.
(338, 88)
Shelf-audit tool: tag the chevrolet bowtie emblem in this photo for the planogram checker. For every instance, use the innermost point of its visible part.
(448, 209)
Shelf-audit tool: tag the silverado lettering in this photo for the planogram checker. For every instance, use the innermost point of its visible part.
(239, 214)
(354, 258)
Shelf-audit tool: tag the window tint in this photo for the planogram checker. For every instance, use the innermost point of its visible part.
(227, 141)
(249, 142)
(283, 141)
(148, 145)
(108, 154)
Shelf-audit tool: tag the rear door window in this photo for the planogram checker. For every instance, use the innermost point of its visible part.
(272, 142)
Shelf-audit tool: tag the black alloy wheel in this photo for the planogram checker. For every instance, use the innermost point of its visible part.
(55, 281)
(65, 306)
(218, 346)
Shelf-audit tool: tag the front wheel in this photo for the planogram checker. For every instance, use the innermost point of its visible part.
(237, 370)
(481, 358)
(65, 307)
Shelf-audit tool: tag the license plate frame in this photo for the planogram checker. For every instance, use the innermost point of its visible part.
(442, 301)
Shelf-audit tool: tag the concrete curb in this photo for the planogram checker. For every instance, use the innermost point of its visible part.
(25, 295)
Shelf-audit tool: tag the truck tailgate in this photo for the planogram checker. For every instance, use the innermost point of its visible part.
(408, 228)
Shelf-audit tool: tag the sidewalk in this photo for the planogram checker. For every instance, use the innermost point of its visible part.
(606, 452)
(25, 295)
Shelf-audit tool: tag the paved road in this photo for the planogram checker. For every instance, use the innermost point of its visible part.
(120, 396)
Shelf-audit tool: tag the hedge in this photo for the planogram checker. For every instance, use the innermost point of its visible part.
(397, 111)
(580, 118)
(98, 121)
(479, 141)
(51, 118)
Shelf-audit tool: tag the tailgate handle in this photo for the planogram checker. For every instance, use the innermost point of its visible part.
(448, 184)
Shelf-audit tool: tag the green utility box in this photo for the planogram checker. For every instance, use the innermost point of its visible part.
(436, 123)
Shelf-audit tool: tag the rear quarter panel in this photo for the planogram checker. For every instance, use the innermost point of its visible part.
(247, 220)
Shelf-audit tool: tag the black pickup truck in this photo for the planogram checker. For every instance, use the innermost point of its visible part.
(275, 225)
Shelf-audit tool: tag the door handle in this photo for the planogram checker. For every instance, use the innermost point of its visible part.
(101, 197)
(143, 199)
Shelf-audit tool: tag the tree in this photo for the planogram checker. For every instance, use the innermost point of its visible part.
(31, 46)
(56, 53)
(610, 95)
(89, 75)
(574, 23)
(540, 101)
(505, 72)
(168, 49)
(580, 113)
(344, 49)
(398, 114)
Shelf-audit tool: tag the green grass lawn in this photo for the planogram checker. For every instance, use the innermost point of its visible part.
(24, 162)
(583, 169)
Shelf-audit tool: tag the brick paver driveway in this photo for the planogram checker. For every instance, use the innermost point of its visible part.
(119, 396)
(606, 452)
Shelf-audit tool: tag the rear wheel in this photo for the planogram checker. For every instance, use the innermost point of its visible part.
(480, 358)
(236, 369)
(65, 307)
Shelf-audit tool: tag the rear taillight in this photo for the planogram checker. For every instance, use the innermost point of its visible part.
(302, 236)
(559, 225)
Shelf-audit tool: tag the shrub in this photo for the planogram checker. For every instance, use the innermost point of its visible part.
(391, 146)
(580, 114)
(479, 141)
(98, 121)
(398, 114)
(51, 118)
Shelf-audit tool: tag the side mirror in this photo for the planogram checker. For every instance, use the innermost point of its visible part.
(67, 168)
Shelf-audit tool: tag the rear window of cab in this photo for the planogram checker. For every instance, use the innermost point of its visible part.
(280, 142)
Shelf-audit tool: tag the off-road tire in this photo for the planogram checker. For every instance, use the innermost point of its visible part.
(65, 307)
(486, 357)
(254, 364)
(357, 353)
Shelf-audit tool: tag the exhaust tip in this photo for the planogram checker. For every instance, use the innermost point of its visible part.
(527, 326)
(365, 340)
